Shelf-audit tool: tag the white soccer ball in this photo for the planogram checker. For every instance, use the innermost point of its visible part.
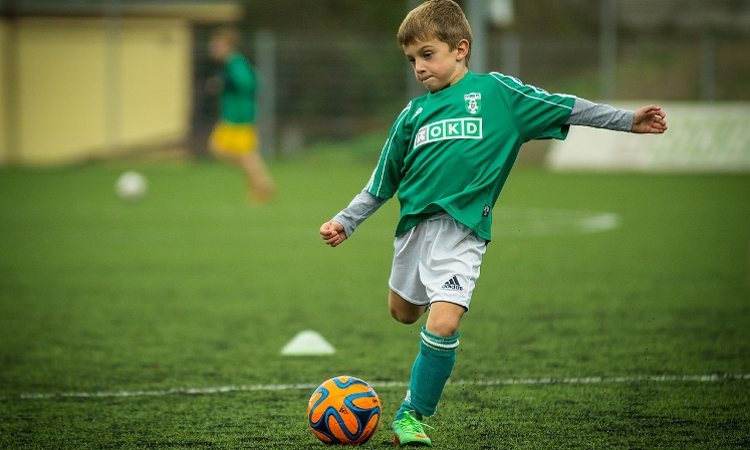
(131, 186)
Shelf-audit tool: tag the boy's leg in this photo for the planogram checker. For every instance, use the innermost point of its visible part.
(430, 372)
(438, 264)
(239, 144)
(444, 318)
(434, 363)
(402, 310)
(258, 176)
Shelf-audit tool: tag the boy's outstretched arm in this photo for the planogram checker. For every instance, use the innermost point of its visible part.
(649, 119)
(338, 229)
(333, 233)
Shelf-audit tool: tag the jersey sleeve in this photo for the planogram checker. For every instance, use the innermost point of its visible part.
(360, 208)
(537, 113)
(387, 175)
(598, 115)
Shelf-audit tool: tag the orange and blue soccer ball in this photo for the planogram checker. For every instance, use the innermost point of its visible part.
(344, 410)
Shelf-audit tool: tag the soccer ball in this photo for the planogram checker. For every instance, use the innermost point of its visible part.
(344, 410)
(131, 186)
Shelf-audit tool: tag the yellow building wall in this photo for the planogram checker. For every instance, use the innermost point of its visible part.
(89, 89)
(61, 87)
(155, 81)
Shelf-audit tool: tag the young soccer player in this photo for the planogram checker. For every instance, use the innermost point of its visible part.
(234, 137)
(447, 157)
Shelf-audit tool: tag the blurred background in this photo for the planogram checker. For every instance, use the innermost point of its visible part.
(99, 79)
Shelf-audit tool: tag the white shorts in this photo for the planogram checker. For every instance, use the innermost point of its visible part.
(437, 261)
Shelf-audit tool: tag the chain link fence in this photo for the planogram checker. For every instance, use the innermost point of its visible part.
(330, 86)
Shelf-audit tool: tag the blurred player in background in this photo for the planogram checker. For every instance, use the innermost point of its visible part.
(234, 138)
(447, 157)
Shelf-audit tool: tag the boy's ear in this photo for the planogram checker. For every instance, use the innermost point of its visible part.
(463, 49)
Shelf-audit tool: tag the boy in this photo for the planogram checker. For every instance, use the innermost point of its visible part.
(447, 156)
(234, 137)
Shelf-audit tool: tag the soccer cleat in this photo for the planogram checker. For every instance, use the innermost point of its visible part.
(409, 431)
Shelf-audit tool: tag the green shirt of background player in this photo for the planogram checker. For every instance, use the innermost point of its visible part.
(234, 138)
(238, 95)
(447, 157)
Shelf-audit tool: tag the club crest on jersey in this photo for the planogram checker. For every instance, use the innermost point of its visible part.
(473, 102)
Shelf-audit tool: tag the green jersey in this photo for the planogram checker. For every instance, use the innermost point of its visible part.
(238, 95)
(452, 150)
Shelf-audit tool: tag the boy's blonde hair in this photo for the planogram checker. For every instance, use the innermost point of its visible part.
(436, 19)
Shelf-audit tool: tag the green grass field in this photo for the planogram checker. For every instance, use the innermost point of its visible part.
(192, 288)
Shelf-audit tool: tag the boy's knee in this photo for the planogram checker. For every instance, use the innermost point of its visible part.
(444, 319)
(405, 317)
(443, 328)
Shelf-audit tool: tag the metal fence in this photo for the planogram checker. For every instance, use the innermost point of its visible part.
(337, 85)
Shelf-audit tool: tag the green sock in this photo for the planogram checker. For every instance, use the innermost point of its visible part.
(430, 371)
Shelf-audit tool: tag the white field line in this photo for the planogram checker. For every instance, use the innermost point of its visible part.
(385, 384)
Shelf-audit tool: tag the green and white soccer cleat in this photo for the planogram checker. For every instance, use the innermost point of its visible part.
(410, 431)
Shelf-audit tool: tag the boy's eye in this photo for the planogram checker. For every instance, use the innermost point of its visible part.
(411, 61)
(427, 55)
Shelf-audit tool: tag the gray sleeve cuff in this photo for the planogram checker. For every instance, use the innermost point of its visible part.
(597, 115)
(360, 208)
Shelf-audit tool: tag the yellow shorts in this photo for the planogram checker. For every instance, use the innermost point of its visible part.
(232, 138)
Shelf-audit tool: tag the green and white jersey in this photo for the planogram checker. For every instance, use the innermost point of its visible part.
(452, 150)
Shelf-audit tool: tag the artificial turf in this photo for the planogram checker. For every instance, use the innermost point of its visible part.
(192, 287)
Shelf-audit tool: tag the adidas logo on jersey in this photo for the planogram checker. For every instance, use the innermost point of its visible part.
(453, 284)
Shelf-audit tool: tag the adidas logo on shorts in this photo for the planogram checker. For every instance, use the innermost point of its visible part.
(453, 284)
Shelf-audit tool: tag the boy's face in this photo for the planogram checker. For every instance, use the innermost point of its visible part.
(220, 49)
(435, 65)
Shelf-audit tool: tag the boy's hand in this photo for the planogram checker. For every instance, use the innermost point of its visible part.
(649, 119)
(333, 233)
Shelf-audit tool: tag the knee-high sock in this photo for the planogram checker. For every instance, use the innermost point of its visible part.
(430, 371)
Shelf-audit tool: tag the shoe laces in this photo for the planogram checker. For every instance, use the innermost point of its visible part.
(412, 425)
